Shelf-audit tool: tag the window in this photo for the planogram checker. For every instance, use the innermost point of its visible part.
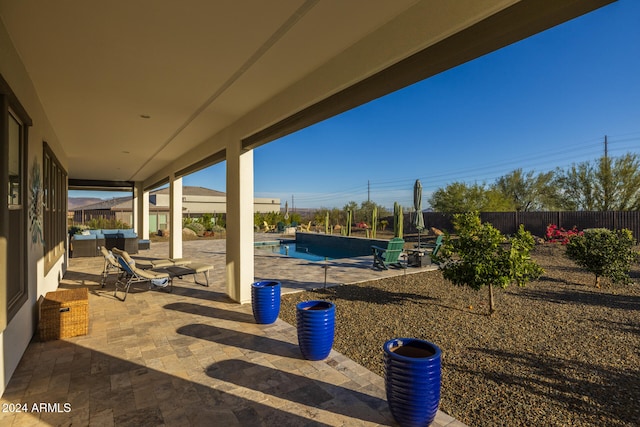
(16, 285)
(55, 207)
(14, 125)
(15, 161)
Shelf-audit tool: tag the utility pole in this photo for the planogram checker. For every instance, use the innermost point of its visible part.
(368, 191)
(608, 179)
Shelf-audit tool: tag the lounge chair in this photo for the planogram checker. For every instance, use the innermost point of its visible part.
(384, 257)
(191, 269)
(148, 264)
(175, 267)
(268, 228)
(132, 274)
(111, 264)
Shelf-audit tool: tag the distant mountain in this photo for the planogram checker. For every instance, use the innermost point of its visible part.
(78, 202)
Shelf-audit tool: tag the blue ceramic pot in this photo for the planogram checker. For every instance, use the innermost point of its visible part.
(265, 301)
(316, 324)
(412, 380)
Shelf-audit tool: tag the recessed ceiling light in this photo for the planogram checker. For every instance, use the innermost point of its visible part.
(145, 116)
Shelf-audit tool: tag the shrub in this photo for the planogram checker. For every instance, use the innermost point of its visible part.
(99, 223)
(74, 230)
(207, 221)
(482, 256)
(604, 253)
(218, 229)
(197, 228)
(557, 234)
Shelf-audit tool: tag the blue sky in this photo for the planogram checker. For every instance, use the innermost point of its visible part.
(545, 102)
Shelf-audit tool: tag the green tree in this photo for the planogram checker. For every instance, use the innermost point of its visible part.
(363, 214)
(481, 256)
(353, 206)
(602, 185)
(338, 216)
(527, 191)
(459, 197)
(320, 216)
(294, 218)
(604, 253)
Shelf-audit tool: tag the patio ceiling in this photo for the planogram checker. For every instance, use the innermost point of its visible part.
(137, 89)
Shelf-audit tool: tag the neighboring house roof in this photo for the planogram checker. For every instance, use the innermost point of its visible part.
(192, 191)
(126, 201)
(105, 204)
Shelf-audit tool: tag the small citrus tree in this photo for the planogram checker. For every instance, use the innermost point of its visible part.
(604, 253)
(481, 256)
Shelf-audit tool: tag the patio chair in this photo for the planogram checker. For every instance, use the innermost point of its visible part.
(432, 245)
(111, 264)
(384, 257)
(268, 228)
(436, 248)
(305, 228)
(132, 274)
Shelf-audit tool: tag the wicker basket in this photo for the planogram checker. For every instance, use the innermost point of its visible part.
(64, 314)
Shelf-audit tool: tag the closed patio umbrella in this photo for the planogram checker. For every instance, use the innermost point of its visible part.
(418, 221)
(286, 210)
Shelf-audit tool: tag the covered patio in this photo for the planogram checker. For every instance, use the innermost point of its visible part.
(137, 95)
(195, 358)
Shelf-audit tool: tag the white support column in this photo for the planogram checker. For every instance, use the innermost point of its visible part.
(175, 208)
(141, 211)
(240, 268)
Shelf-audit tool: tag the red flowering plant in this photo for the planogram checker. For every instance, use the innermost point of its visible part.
(557, 234)
(362, 225)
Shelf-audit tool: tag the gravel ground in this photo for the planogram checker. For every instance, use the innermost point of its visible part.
(558, 352)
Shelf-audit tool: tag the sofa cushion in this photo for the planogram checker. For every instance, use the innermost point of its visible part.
(84, 237)
(129, 234)
(97, 233)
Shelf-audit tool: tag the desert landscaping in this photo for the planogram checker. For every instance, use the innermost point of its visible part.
(557, 352)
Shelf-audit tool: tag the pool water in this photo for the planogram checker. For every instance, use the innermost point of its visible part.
(289, 249)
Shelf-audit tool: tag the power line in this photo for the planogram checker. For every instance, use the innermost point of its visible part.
(486, 173)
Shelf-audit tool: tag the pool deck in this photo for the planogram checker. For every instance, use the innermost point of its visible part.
(193, 357)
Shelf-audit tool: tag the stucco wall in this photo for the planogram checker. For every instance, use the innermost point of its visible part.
(20, 329)
(342, 246)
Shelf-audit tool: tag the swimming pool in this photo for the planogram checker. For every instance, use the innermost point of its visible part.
(289, 248)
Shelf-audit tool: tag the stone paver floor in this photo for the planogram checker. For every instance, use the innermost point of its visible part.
(193, 357)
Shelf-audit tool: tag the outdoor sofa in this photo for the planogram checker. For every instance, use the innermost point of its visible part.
(89, 242)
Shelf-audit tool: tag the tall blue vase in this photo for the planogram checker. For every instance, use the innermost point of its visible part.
(316, 325)
(412, 380)
(265, 301)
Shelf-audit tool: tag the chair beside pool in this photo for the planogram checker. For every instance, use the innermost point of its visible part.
(389, 256)
(305, 228)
